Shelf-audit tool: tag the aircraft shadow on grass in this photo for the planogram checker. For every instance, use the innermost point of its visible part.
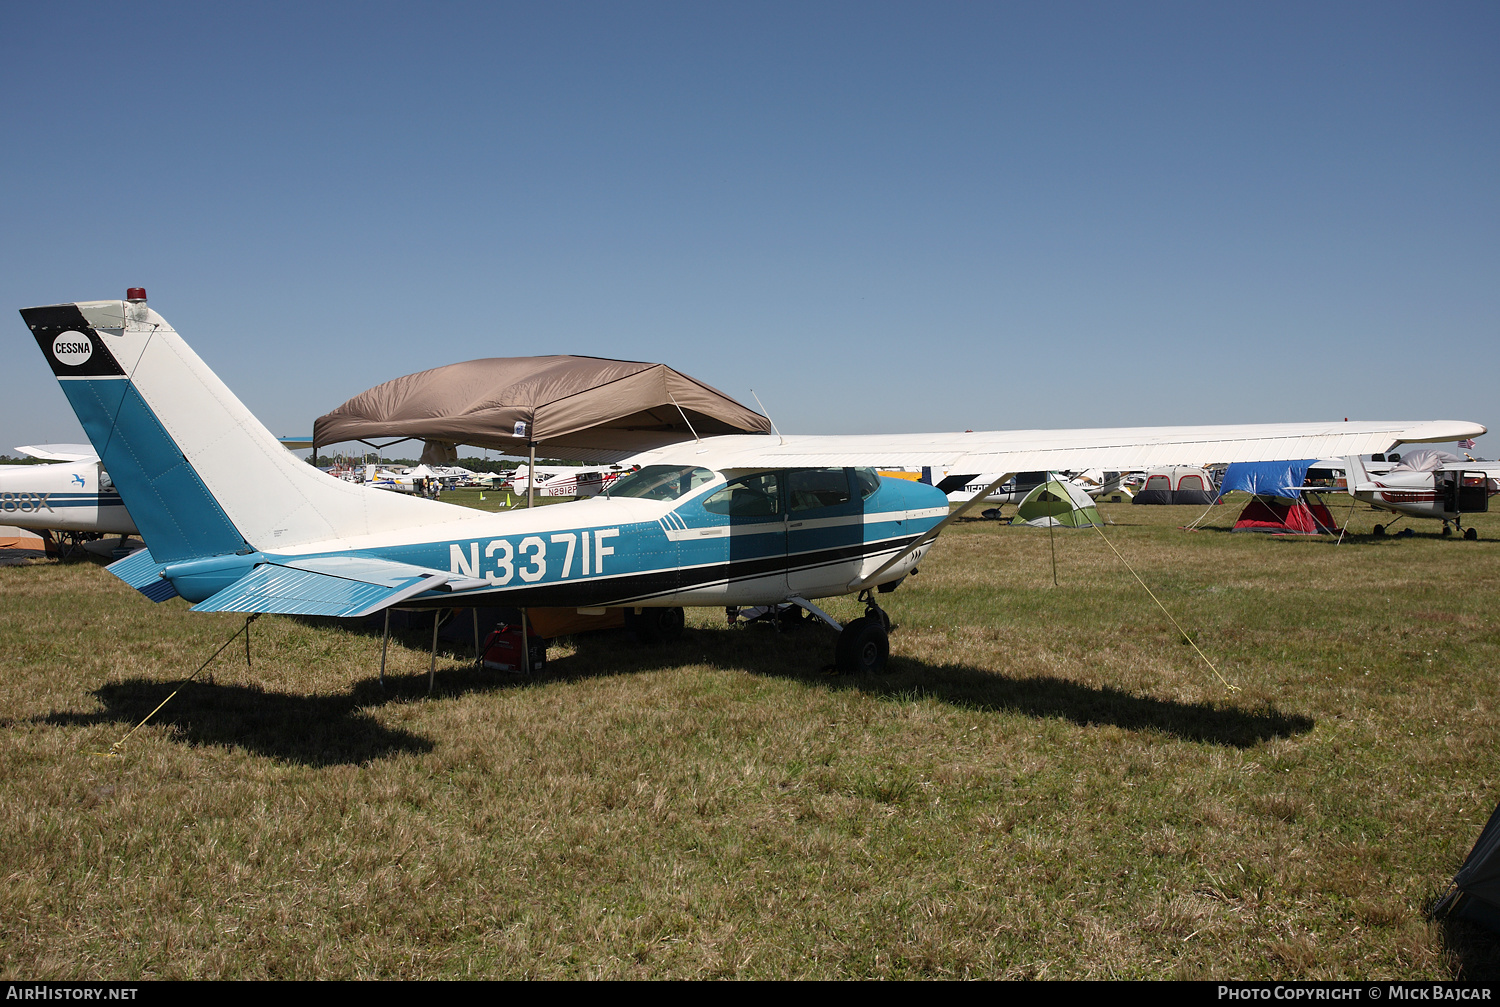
(797, 654)
(337, 729)
(320, 730)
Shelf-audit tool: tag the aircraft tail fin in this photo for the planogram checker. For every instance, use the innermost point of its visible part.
(199, 473)
(1355, 473)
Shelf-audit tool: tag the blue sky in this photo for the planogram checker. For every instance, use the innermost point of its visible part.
(881, 217)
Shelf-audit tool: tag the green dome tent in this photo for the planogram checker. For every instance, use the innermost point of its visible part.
(1057, 503)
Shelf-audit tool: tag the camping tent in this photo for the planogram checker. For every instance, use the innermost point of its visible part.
(1057, 503)
(1287, 517)
(1476, 886)
(563, 406)
(1176, 484)
(1276, 504)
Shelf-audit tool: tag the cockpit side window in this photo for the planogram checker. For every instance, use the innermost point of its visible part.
(811, 489)
(661, 482)
(752, 496)
(868, 481)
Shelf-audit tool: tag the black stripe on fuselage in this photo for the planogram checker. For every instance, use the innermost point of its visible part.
(638, 588)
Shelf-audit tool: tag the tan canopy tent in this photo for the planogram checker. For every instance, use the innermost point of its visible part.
(589, 408)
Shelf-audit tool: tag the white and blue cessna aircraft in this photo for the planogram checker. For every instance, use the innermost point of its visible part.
(234, 523)
(73, 498)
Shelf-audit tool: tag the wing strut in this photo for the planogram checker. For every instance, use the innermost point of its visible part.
(932, 533)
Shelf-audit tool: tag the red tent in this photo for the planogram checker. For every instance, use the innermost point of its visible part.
(1286, 517)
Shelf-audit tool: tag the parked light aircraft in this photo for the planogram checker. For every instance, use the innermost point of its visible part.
(73, 498)
(564, 480)
(235, 523)
(1426, 484)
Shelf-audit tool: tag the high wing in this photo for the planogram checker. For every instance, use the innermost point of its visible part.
(1039, 450)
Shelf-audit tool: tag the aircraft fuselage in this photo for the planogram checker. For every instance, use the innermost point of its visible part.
(62, 496)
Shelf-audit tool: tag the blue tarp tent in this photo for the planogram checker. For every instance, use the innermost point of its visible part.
(1266, 479)
(1275, 505)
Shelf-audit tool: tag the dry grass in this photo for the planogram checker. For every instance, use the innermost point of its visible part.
(1046, 784)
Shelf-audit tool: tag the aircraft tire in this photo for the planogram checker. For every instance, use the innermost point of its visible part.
(1379, 530)
(656, 625)
(863, 647)
(1472, 534)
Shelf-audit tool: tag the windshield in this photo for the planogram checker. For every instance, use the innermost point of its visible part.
(661, 482)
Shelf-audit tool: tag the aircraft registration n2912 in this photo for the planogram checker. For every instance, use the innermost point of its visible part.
(235, 523)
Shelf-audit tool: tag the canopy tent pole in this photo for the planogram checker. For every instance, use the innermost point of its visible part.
(385, 641)
(432, 668)
(530, 502)
(1052, 534)
(525, 645)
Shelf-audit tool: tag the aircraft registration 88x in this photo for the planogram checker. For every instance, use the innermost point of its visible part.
(73, 497)
(233, 522)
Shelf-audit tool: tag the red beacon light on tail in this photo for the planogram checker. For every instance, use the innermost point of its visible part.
(136, 295)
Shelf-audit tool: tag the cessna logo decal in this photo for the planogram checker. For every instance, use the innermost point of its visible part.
(72, 349)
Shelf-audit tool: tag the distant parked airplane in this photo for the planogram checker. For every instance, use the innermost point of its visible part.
(564, 480)
(1426, 484)
(73, 498)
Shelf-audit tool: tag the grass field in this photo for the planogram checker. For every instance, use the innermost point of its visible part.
(1048, 782)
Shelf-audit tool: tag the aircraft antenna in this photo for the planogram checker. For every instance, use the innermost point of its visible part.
(689, 423)
(767, 412)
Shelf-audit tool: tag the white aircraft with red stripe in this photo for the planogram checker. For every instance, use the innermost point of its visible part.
(1426, 484)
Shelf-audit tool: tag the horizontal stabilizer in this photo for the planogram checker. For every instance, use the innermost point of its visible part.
(60, 452)
(143, 573)
(341, 586)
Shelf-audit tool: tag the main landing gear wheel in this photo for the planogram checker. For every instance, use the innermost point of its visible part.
(1447, 529)
(1471, 534)
(863, 646)
(656, 625)
(1379, 530)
